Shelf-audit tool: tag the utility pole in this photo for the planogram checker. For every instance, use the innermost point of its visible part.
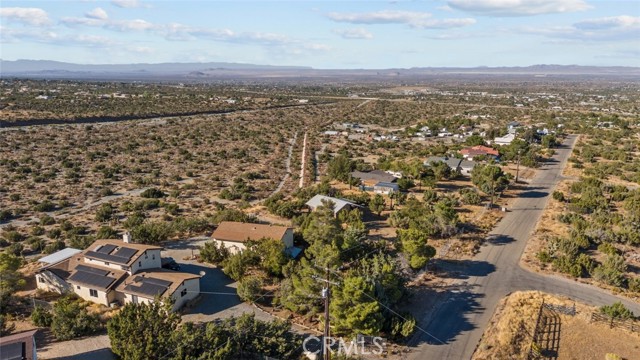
(326, 295)
(518, 166)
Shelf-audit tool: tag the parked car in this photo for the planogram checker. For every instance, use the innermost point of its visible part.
(169, 263)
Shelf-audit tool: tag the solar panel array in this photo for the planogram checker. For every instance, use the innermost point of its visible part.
(92, 270)
(106, 249)
(91, 279)
(125, 252)
(107, 257)
(148, 286)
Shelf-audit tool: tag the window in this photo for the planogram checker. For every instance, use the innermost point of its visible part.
(153, 257)
(78, 287)
(125, 268)
(183, 292)
(139, 263)
(93, 292)
(146, 255)
(106, 263)
(40, 279)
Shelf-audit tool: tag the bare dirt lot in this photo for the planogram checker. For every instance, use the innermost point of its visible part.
(510, 332)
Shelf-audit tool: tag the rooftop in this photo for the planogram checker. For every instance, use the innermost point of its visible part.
(117, 251)
(479, 150)
(149, 283)
(95, 277)
(374, 175)
(339, 204)
(58, 256)
(241, 232)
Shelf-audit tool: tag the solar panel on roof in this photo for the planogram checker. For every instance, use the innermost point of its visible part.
(106, 249)
(92, 270)
(107, 257)
(147, 289)
(91, 279)
(152, 281)
(125, 252)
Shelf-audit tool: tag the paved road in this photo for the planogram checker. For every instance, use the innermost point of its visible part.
(457, 324)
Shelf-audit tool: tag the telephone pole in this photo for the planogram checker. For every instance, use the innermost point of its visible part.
(326, 295)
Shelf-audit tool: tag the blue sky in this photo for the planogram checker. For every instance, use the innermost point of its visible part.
(325, 34)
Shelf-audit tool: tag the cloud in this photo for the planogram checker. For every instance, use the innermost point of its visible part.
(128, 3)
(358, 33)
(414, 19)
(97, 13)
(612, 22)
(518, 7)
(614, 28)
(29, 16)
(53, 38)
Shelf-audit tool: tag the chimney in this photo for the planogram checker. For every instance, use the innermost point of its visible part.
(126, 237)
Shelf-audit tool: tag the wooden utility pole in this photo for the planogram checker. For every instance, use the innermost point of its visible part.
(518, 166)
(326, 295)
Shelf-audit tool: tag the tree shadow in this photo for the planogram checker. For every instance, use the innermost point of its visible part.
(499, 239)
(533, 194)
(461, 269)
(450, 319)
(100, 354)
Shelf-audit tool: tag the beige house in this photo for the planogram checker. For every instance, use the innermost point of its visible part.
(112, 272)
(234, 235)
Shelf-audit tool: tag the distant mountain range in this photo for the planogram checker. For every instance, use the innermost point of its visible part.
(221, 70)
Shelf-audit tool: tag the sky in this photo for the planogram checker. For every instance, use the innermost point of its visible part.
(325, 34)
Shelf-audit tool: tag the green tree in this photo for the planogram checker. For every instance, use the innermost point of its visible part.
(376, 204)
(415, 247)
(490, 179)
(474, 140)
(10, 279)
(340, 168)
(214, 254)
(41, 317)
(355, 308)
(71, 320)
(153, 193)
(249, 288)
(154, 326)
(272, 256)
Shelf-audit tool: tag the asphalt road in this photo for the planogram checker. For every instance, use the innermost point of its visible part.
(456, 325)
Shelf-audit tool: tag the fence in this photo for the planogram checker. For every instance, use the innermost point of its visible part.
(629, 325)
(545, 341)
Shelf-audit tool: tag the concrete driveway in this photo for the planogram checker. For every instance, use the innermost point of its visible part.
(218, 295)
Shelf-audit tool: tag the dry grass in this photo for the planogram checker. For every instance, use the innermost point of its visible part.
(508, 334)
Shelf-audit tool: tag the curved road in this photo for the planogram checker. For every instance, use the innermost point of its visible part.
(456, 325)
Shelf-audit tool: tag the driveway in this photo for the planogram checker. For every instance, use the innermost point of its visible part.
(218, 295)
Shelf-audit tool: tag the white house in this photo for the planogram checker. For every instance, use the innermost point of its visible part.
(97, 273)
(234, 235)
(504, 140)
(339, 205)
(144, 286)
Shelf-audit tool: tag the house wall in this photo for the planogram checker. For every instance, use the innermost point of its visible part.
(150, 259)
(382, 190)
(193, 290)
(103, 297)
(233, 246)
(287, 239)
(49, 281)
(128, 298)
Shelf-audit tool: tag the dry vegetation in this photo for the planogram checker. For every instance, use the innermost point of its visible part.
(508, 336)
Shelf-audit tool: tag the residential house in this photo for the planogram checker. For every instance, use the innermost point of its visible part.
(466, 166)
(145, 285)
(454, 163)
(479, 150)
(234, 235)
(96, 273)
(339, 205)
(504, 140)
(385, 188)
(20, 346)
(373, 177)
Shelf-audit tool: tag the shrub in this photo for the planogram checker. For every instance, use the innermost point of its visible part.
(41, 317)
(53, 247)
(13, 236)
(470, 197)
(105, 212)
(250, 288)
(71, 320)
(5, 215)
(558, 196)
(214, 254)
(153, 193)
(617, 311)
(47, 220)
